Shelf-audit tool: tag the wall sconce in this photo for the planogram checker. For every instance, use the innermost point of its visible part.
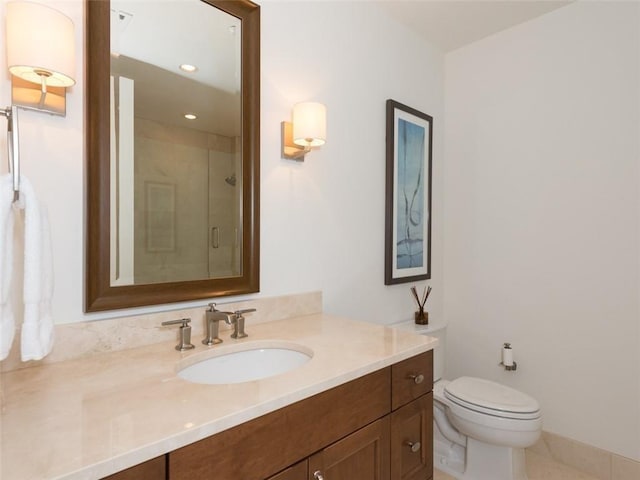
(40, 56)
(308, 130)
(41, 59)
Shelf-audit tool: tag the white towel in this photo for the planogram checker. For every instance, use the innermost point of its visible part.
(37, 327)
(7, 322)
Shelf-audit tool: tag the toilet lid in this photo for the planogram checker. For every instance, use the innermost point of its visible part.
(492, 398)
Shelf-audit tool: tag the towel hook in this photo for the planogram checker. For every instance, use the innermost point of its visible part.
(13, 147)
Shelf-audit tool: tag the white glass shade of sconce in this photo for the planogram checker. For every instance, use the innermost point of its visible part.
(307, 130)
(309, 124)
(40, 56)
(40, 43)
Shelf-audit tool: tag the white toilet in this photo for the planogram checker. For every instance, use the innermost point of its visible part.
(481, 428)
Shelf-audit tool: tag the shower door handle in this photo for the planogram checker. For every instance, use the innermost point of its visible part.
(215, 237)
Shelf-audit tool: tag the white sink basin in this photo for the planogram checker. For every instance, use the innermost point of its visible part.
(246, 363)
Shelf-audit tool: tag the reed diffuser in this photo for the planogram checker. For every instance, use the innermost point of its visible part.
(421, 316)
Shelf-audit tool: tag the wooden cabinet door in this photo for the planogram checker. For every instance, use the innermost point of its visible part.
(154, 469)
(297, 472)
(412, 440)
(363, 455)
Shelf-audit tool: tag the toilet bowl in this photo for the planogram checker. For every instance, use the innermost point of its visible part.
(481, 428)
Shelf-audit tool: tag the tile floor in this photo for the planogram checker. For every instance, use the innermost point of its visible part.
(539, 467)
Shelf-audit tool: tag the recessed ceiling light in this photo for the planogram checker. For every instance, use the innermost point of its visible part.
(190, 116)
(185, 67)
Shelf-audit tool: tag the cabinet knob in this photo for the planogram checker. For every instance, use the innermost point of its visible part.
(318, 475)
(417, 379)
(414, 446)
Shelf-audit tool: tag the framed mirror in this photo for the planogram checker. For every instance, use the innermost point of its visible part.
(173, 167)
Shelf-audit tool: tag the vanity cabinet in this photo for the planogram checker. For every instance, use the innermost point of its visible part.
(377, 427)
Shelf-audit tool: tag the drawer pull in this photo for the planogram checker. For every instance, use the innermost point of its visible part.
(318, 475)
(415, 447)
(417, 379)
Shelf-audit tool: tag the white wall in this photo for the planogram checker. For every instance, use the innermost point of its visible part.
(542, 216)
(322, 221)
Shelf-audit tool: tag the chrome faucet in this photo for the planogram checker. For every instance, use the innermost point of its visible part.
(238, 322)
(212, 319)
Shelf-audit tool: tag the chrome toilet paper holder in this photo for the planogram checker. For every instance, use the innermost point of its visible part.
(507, 353)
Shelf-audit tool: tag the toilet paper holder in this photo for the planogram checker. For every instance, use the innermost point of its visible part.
(507, 358)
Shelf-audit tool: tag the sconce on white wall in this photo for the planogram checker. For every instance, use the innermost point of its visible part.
(307, 130)
(41, 58)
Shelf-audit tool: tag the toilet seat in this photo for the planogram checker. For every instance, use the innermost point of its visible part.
(490, 398)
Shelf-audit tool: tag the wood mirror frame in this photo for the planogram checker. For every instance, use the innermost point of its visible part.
(99, 294)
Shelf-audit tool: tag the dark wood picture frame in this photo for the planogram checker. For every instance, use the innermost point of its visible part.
(409, 151)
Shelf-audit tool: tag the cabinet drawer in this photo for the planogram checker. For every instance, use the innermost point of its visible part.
(411, 378)
(412, 440)
(154, 469)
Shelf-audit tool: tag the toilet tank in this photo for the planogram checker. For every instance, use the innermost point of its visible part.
(437, 330)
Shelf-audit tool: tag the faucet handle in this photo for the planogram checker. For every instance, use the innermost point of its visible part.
(212, 306)
(183, 321)
(184, 335)
(238, 323)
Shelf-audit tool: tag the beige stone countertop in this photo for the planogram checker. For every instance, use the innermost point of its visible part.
(91, 417)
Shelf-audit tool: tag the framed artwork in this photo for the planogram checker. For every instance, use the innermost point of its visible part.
(160, 199)
(408, 194)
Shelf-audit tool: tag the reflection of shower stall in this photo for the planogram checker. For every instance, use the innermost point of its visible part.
(176, 199)
(201, 225)
(224, 211)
